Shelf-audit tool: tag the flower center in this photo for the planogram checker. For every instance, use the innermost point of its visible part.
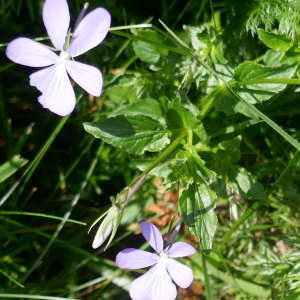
(163, 255)
(64, 56)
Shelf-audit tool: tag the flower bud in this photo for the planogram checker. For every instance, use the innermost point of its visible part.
(109, 224)
(114, 215)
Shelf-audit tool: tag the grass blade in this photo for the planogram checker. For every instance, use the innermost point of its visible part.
(12, 279)
(40, 215)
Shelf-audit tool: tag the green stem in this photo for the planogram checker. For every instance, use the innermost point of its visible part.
(206, 281)
(256, 205)
(161, 157)
(210, 103)
(134, 37)
(190, 137)
(271, 80)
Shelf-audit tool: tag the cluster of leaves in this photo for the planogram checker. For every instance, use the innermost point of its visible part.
(176, 106)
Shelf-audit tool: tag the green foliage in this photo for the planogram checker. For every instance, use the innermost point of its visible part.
(244, 184)
(196, 206)
(134, 134)
(267, 12)
(146, 52)
(195, 102)
(11, 166)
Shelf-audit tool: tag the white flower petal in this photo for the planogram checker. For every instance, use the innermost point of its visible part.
(60, 96)
(56, 18)
(27, 52)
(100, 239)
(90, 32)
(163, 288)
(88, 77)
(154, 285)
(141, 288)
(41, 79)
(131, 258)
(181, 274)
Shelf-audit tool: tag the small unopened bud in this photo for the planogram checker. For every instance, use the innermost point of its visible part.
(109, 224)
(102, 234)
(233, 208)
(114, 215)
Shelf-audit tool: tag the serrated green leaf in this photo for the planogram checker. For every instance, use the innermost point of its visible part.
(199, 40)
(149, 107)
(205, 41)
(225, 72)
(257, 93)
(196, 206)
(119, 94)
(229, 150)
(217, 53)
(225, 100)
(205, 172)
(229, 104)
(278, 42)
(277, 58)
(180, 167)
(180, 118)
(243, 183)
(272, 58)
(11, 166)
(149, 53)
(134, 134)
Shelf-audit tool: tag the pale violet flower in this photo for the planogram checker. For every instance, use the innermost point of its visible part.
(157, 283)
(57, 92)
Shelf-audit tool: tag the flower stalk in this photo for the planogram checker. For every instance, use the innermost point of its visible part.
(162, 156)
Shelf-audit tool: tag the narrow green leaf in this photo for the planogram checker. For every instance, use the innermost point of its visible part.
(278, 42)
(39, 297)
(206, 281)
(178, 40)
(243, 183)
(196, 206)
(111, 29)
(11, 166)
(11, 279)
(6, 66)
(134, 37)
(134, 134)
(40, 215)
(244, 285)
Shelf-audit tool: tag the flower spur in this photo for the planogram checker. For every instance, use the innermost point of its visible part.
(57, 92)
